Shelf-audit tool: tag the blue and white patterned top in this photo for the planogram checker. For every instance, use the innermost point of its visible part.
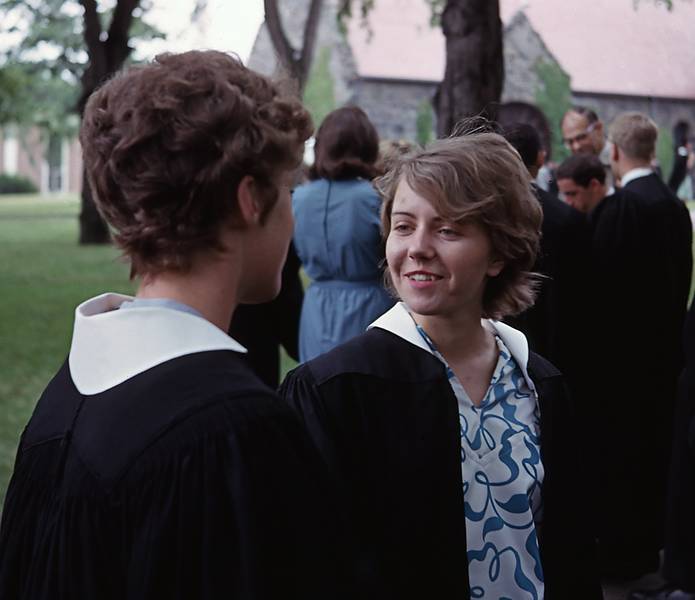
(502, 476)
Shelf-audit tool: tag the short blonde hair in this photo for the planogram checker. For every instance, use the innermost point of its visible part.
(479, 177)
(635, 134)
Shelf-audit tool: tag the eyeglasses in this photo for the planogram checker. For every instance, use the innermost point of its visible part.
(580, 137)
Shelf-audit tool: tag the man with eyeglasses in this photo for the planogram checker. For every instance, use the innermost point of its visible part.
(582, 133)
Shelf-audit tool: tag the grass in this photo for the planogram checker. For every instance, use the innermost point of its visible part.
(45, 274)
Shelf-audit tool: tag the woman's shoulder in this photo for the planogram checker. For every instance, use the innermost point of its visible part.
(540, 368)
(309, 190)
(375, 353)
(361, 187)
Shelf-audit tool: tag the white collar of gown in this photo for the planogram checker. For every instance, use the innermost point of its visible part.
(109, 346)
(398, 321)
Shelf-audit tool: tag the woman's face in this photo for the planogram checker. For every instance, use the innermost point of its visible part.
(439, 268)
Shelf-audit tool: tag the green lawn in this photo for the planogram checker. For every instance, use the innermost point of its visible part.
(44, 275)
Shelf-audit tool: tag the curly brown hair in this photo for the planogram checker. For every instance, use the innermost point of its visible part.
(166, 144)
(479, 177)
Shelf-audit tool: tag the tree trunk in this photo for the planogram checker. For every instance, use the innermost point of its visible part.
(106, 56)
(93, 229)
(474, 72)
(296, 63)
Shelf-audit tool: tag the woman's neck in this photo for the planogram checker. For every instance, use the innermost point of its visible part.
(469, 349)
(210, 287)
(457, 338)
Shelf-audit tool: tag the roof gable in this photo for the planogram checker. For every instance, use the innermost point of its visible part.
(611, 47)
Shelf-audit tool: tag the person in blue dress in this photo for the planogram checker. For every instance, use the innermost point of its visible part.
(337, 234)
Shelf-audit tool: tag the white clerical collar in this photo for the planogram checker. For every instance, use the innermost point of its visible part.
(109, 346)
(398, 321)
(633, 174)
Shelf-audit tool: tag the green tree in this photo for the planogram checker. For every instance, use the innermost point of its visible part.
(553, 97)
(319, 95)
(424, 123)
(66, 49)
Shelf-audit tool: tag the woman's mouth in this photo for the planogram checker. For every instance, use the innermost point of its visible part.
(422, 278)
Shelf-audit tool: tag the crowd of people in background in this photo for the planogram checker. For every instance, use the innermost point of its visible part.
(495, 396)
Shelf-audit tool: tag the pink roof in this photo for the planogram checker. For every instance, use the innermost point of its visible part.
(605, 46)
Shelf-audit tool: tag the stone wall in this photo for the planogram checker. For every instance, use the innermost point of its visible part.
(393, 105)
(524, 50)
(665, 112)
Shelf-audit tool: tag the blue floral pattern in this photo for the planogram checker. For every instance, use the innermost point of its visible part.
(502, 476)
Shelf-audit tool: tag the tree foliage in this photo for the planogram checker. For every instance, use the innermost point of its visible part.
(553, 97)
(319, 94)
(65, 50)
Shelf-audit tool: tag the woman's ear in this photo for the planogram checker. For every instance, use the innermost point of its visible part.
(495, 268)
(247, 199)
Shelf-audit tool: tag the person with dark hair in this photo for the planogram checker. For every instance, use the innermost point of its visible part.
(156, 465)
(581, 180)
(554, 325)
(453, 443)
(583, 133)
(337, 234)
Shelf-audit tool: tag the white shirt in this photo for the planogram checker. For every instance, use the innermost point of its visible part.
(633, 174)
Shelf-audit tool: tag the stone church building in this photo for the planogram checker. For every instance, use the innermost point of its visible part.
(617, 55)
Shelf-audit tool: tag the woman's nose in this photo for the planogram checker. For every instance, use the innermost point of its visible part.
(420, 244)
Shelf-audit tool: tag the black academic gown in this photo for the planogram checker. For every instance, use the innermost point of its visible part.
(385, 419)
(679, 550)
(554, 325)
(262, 328)
(642, 264)
(189, 480)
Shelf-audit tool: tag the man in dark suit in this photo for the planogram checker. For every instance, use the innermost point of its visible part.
(553, 325)
(642, 265)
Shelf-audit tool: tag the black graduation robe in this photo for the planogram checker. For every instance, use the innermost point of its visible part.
(384, 417)
(554, 325)
(190, 479)
(679, 549)
(262, 328)
(642, 264)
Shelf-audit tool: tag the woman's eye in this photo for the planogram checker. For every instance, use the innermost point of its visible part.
(401, 227)
(448, 231)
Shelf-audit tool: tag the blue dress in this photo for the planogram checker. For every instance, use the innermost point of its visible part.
(337, 237)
